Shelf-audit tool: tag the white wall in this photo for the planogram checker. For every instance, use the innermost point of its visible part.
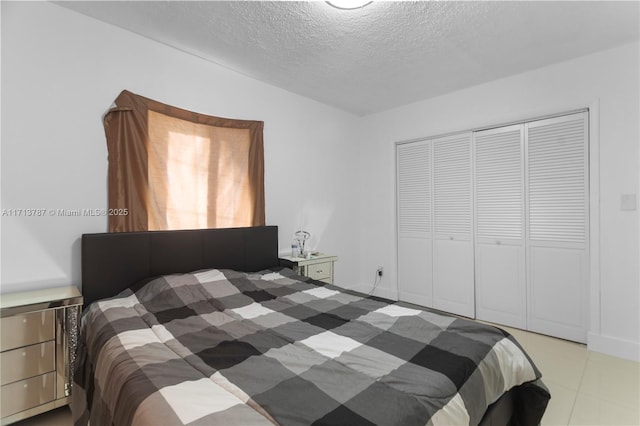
(609, 79)
(60, 73)
(326, 171)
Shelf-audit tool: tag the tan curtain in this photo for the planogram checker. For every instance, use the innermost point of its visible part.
(174, 169)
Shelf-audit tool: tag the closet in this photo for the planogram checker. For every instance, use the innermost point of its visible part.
(493, 224)
(500, 218)
(435, 232)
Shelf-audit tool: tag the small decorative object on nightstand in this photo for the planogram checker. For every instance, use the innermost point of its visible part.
(37, 350)
(317, 266)
(302, 237)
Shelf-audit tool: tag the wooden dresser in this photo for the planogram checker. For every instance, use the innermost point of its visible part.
(37, 350)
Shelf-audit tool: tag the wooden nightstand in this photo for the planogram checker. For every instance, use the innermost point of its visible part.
(319, 267)
(37, 350)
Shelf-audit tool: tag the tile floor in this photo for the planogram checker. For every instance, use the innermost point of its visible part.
(587, 388)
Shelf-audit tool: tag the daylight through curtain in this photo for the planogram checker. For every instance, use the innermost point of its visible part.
(174, 169)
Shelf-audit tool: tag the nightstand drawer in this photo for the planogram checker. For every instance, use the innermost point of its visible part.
(26, 329)
(29, 361)
(318, 266)
(319, 271)
(20, 396)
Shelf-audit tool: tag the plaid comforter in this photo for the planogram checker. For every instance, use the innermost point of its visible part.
(221, 347)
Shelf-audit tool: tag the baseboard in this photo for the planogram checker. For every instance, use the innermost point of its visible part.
(614, 346)
(385, 293)
(380, 292)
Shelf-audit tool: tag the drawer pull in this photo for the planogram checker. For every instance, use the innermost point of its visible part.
(25, 385)
(24, 354)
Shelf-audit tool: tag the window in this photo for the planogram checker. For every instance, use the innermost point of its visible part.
(174, 169)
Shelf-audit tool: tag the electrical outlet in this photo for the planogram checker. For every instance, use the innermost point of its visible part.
(380, 270)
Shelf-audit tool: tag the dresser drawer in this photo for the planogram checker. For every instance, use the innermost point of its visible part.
(319, 271)
(28, 361)
(26, 329)
(29, 393)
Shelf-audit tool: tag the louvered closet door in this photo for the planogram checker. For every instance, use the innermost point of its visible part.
(557, 222)
(414, 222)
(453, 284)
(499, 239)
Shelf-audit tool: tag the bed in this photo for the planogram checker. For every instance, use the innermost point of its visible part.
(203, 327)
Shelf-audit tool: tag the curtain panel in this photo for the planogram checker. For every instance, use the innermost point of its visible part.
(170, 168)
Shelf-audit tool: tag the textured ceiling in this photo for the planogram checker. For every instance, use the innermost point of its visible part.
(384, 55)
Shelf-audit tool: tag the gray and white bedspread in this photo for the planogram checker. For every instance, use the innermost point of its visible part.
(220, 347)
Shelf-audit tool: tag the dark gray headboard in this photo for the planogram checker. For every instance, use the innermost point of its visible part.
(111, 262)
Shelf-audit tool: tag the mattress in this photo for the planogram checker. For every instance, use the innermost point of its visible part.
(224, 347)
